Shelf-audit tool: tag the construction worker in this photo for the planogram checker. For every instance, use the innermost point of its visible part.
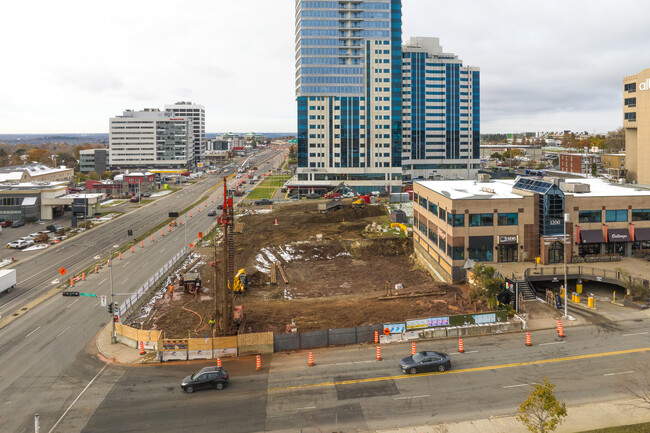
(212, 322)
(171, 290)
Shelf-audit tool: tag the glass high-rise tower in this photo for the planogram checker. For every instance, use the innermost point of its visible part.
(349, 93)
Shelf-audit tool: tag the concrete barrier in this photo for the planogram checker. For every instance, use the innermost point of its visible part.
(258, 343)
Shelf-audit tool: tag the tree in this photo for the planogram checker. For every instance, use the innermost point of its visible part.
(497, 155)
(39, 155)
(93, 175)
(65, 158)
(16, 159)
(487, 279)
(106, 175)
(80, 177)
(542, 412)
(633, 286)
(292, 155)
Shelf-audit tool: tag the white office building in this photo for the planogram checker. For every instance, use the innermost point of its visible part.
(150, 138)
(195, 112)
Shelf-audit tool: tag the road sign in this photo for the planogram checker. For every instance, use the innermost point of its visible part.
(173, 214)
(91, 295)
(62, 271)
(386, 331)
(103, 300)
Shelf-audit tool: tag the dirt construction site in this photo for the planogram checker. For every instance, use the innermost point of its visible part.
(342, 271)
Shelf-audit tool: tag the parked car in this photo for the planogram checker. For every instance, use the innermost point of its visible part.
(212, 213)
(348, 194)
(312, 196)
(5, 224)
(54, 228)
(425, 361)
(136, 198)
(146, 194)
(29, 241)
(333, 195)
(207, 377)
(263, 201)
(17, 223)
(219, 207)
(17, 244)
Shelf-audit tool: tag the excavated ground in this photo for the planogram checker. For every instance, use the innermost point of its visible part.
(337, 273)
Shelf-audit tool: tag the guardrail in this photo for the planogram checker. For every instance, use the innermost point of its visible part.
(127, 306)
(586, 272)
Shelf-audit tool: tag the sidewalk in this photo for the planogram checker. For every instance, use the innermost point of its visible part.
(580, 418)
(117, 353)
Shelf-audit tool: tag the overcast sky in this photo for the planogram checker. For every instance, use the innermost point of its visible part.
(68, 66)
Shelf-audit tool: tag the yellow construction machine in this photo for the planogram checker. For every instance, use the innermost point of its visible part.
(240, 283)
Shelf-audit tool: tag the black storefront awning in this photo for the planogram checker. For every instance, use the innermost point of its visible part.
(618, 235)
(591, 237)
(642, 234)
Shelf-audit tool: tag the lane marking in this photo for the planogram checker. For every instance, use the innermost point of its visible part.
(72, 303)
(463, 353)
(620, 372)
(521, 384)
(163, 249)
(80, 394)
(554, 342)
(409, 397)
(102, 281)
(637, 333)
(32, 332)
(464, 370)
(125, 264)
(350, 362)
(307, 407)
(57, 335)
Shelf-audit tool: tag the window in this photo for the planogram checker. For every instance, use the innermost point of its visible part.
(589, 216)
(630, 102)
(631, 117)
(415, 197)
(507, 219)
(630, 87)
(433, 208)
(456, 253)
(641, 215)
(442, 213)
(455, 220)
(481, 219)
(423, 202)
(616, 215)
(433, 235)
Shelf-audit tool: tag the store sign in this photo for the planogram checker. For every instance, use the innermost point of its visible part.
(555, 222)
(508, 239)
(619, 236)
(442, 234)
(645, 85)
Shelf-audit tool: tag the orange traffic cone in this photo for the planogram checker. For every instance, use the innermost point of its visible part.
(71, 282)
(218, 362)
(206, 204)
(142, 352)
(461, 349)
(152, 238)
(132, 249)
(276, 222)
(378, 353)
(190, 214)
(528, 343)
(108, 262)
(96, 268)
(560, 329)
(376, 337)
(170, 228)
(162, 233)
(120, 256)
(258, 366)
(141, 244)
(311, 359)
(199, 209)
(413, 348)
(83, 276)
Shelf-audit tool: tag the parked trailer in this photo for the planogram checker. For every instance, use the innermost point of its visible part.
(330, 206)
(7, 280)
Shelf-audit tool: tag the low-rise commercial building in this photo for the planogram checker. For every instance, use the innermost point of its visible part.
(582, 163)
(636, 123)
(35, 172)
(520, 220)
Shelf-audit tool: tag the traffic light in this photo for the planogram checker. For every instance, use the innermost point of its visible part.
(116, 318)
(70, 293)
(110, 308)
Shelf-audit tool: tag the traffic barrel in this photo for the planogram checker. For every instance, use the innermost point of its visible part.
(461, 349)
(528, 343)
(190, 214)
(276, 222)
(378, 353)
(560, 329)
(120, 256)
(71, 282)
(96, 268)
(152, 238)
(170, 228)
(162, 233)
(413, 348)
(376, 337)
(83, 276)
(218, 362)
(132, 249)
(311, 359)
(199, 209)
(141, 244)
(258, 366)
(142, 352)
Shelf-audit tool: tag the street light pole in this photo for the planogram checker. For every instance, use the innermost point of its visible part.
(110, 272)
(566, 286)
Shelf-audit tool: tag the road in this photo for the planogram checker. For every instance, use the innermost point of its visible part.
(44, 354)
(348, 390)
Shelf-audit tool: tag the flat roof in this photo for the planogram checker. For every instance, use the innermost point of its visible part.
(90, 195)
(502, 189)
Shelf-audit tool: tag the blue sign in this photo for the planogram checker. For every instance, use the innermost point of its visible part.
(395, 328)
(484, 318)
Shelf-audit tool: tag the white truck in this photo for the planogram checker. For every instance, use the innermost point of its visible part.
(7, 280)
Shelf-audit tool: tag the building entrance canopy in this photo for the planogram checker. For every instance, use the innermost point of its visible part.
(618, 235)
(591, 237)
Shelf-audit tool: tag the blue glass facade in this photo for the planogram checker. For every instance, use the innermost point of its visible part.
(396, 82)
(452, 105)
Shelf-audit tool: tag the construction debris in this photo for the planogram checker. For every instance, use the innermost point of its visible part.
(284, 276)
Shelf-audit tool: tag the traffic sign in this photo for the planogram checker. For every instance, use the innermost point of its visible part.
(62, 271)
(103, 300)
(386, 331)
(91, 295)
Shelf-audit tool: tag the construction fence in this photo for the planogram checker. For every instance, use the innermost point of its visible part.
(132, 302)
(325, 337)
(184, 349)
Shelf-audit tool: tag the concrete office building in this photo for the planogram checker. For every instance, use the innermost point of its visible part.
(519, 220)
(636, 122)
(581, 163)
(93, 160)
(150, 139)
(196, 113)
(441, 113)
(349, 94)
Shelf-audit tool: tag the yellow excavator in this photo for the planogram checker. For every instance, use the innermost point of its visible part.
(240, 283)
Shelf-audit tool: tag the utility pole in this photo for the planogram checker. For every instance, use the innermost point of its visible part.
(566, 286)
(110, 273)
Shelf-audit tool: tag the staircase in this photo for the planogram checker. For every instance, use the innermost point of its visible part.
(525, 290)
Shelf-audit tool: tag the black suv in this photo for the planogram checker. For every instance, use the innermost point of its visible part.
(263, 201)
(208, 377)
